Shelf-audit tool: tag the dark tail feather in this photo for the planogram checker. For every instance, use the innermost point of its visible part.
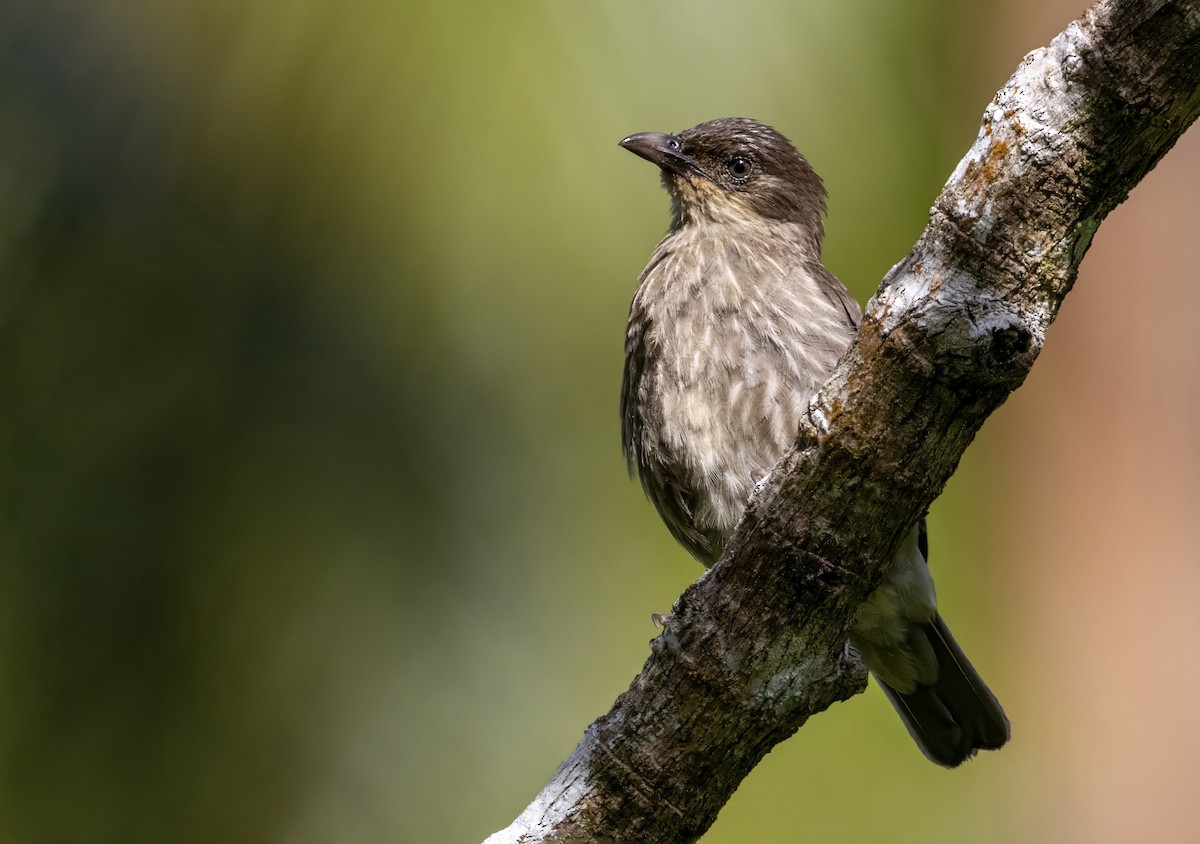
(958, 714)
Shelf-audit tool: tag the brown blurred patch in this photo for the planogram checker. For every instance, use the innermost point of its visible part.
(1103, 472)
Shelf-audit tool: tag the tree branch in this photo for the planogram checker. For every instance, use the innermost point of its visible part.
(757, 645)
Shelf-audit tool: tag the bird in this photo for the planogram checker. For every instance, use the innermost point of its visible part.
(734, 325)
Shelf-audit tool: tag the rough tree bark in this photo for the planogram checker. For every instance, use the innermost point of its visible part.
(757, 645)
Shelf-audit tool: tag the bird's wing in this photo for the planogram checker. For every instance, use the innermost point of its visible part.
(838, 294)
(663, 477)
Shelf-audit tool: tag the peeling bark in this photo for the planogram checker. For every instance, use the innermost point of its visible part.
(757, 645)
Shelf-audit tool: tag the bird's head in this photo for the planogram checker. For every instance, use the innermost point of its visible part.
(734, 170)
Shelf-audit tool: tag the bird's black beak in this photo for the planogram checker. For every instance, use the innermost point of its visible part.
(663, 150)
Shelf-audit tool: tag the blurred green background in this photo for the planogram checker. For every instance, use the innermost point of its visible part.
(314, 525)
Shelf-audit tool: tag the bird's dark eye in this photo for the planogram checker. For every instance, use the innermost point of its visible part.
(739, 168)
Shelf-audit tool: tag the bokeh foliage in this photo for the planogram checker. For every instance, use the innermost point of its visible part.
(313, 521)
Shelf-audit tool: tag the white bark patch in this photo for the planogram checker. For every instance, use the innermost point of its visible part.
(561, 797)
